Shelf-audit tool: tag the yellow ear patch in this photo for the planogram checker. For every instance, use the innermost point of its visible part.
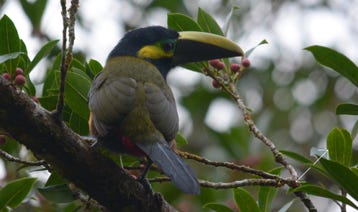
(153, 52)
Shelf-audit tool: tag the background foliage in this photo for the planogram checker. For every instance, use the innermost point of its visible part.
(272, 88)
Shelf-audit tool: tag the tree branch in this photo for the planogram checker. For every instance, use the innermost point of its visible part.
(59, 146)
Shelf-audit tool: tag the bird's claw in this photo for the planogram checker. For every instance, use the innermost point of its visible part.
(146, 185)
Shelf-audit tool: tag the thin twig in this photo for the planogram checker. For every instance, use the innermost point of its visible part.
(71, 29)
(68, 23)
(258, 134)
(64, 66)
(11, 158)
(229, 165)
(226, 185)
(278, 156)
(306, 201)
(228, 86)
(239, 183)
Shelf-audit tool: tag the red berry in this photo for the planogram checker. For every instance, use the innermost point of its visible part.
(220, 66)
(19, 71)
(2, 140)
(245, 62)
(20, 80)
(214, 63)
(7, 76)
(217, 64)
(235, 67)
(215, 84)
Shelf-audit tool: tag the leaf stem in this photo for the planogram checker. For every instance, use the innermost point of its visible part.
(11, 158)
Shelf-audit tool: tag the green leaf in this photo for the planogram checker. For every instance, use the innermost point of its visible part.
(57, 193)
(23, 47)
(354, 130)
(48, 102)
(78, 124)
(208, 23)
(55, 179)
(76, 90)
(94, 68)
(318, 191)
(296, 156)
(217, 207)
(336, 61)
(51, 83)
(343, 176)
(248, 52)
(245, 201)
(354, 170)
(339, 145)
(347, 109)
(77, 64)
(34, 11)
(29, 86)
(268, 194)
(10, 37)
(228, 19)
(44, 51)
(10, 56)
(180, 139)
(180, 22)
(12, 194)
(56, 189)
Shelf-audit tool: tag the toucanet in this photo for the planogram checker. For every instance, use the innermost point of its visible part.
(133, 109)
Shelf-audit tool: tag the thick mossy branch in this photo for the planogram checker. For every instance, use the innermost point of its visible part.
(51, 140)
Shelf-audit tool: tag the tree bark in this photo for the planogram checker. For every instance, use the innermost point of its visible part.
(51, 140)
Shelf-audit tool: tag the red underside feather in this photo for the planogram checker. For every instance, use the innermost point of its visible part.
(131, 148)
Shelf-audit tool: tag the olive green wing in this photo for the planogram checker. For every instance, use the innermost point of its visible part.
(111, 98)
(162, 109)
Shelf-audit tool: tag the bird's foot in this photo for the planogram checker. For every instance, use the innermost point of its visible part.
(146, 185)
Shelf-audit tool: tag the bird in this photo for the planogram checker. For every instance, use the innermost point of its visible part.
(132, 108)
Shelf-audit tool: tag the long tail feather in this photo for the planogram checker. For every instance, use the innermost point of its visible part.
(172, 165)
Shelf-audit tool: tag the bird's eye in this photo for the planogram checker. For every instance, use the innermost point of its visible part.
(168, 46)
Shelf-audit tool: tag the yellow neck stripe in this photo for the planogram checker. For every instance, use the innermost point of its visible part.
(153, 52)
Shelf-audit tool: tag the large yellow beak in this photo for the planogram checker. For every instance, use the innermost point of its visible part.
(201, 46)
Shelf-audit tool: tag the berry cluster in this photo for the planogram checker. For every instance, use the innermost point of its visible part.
(235, 69)
(20, 78)
(19, 81)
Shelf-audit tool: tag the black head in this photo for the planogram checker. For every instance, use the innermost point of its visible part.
(155, 44)
(166, 48)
